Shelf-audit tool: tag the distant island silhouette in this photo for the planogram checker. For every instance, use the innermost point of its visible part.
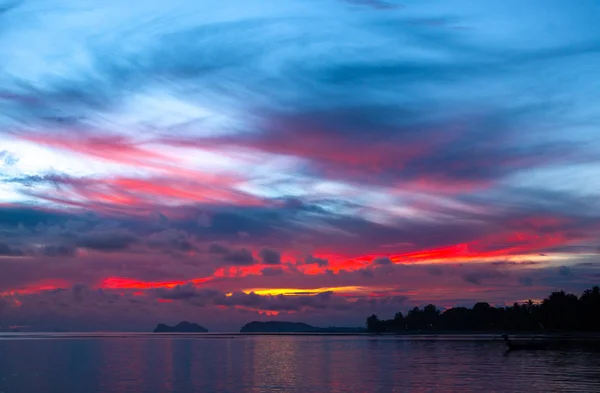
(560, 312)
(294, 327)
(181, 327)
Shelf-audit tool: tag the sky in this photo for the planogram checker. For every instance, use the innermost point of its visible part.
(299, 160)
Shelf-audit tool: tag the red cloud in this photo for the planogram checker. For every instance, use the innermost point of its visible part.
(146, 193)
(128, 283)
(111, 148)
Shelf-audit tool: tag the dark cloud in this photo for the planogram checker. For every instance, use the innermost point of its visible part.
(565, 271)
(285, 303)
(526, 281)
(14, 216)
(513, 263)
(234, 256)
(435, 271)
(368, 273)
(7, 251)
(218, 249)
(272, 271)
(239, 257)
(58, 251)
(270, 257)
(179, 292)
(299, 303)
(478, 277)
(108, 241)
(382, 261)
(171, 240)
(310, 260)
(80, 291)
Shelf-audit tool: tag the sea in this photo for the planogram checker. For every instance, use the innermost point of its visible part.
(239, 363)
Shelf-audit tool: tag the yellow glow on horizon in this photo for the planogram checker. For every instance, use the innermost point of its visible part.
(302, 291)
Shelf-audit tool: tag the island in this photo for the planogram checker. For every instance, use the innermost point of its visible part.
(293, 327)
(181, 327)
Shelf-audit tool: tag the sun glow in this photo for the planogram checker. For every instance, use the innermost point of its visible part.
(302, 291)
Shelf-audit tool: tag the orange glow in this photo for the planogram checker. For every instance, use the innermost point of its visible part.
(521, 244)
(239, 271)
(311, 270)
(269, 313)
(127, 283)
(40, 286)
(459, 250)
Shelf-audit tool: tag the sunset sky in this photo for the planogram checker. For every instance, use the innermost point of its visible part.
(306, 160)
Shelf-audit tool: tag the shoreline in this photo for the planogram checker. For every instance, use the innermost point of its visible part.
(437, 335)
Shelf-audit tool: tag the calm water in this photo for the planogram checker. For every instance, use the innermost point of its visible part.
(302, 364)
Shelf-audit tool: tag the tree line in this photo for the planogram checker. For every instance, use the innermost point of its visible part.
(559, 312)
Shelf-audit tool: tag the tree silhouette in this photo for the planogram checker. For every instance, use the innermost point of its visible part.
(589, 309)
(399, 322)
(560, 311)
(374, 324)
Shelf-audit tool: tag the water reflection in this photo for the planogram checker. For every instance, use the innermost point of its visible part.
(256, 364)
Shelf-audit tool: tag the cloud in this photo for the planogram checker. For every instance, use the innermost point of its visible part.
(80, 291)
(236, 257)
(514, 263)
(565, 271)
(239, 257)
(218, 249)
(251, 300)
(526, 281)
(182, 292)
(428, 155)
(478, 277)
(310, 260)
(436, 271)
(7, 158)
(172, 239)
(382, 261)
(107, 241)
(272, 271)
(270, 257)
(58, 251)
(7, 251)
(136, 193)
(282, 303)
